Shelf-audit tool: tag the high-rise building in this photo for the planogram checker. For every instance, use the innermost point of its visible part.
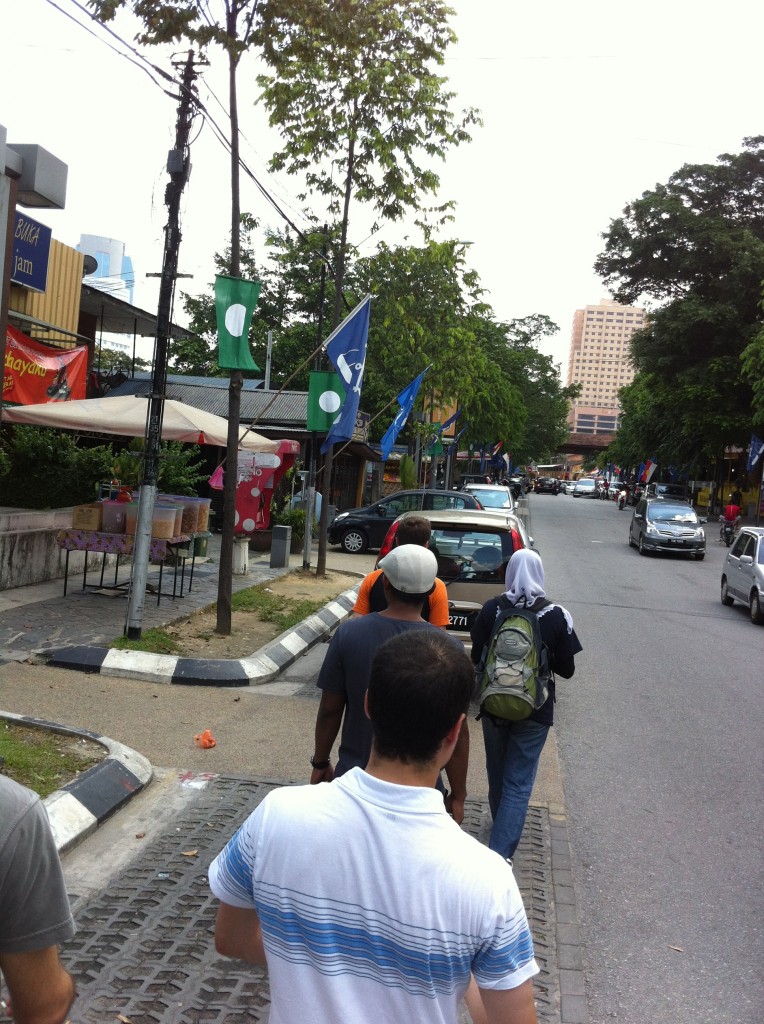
(599, 361)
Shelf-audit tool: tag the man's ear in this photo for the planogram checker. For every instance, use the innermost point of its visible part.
(366, 705)
(453, 733)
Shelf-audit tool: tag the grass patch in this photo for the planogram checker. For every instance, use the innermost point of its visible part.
(152, 641)
(283, 612)
(268, 607)
(43, 760)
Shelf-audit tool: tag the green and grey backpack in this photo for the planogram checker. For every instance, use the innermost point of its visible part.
(513, 674)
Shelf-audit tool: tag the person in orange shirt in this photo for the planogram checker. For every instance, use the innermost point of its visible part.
(371, 595)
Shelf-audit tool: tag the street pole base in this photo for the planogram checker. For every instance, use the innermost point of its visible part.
(134, 632)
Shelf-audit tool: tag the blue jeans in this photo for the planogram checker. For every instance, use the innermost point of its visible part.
(512, 755)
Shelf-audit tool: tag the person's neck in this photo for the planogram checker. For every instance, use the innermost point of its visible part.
(401, 774)
(407, 612)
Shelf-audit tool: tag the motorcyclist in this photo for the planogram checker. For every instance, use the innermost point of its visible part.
(623, 497)
(731, 519)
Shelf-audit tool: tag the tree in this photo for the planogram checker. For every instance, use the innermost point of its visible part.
(696, 244)
(352, 89)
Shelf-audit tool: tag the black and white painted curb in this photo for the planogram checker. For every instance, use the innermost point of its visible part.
(83, 804)
(260, 667)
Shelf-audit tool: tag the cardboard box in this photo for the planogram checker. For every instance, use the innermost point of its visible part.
(87, 517)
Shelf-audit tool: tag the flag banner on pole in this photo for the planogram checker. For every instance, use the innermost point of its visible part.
(406, 401)
(450, 420)
(641, 472)
(325, 396)
(754, 452)
(461, 432)
(235, 301)
(346, 348)
(497, 448)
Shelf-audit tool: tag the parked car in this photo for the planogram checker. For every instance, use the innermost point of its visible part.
(492, 495)
(547, 485)
(569, 486)
(362, 528)
(474, 478)
(743, 572)
(472, 549)
(659, 524)
(676, 492)
(517, 486)
(585, 488)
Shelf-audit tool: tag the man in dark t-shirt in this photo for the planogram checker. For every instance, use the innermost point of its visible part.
(409, 573)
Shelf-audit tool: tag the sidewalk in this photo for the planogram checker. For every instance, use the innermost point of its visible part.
(269, 726)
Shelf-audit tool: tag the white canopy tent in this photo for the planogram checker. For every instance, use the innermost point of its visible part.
(127, 415)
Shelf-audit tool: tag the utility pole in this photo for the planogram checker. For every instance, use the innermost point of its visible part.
(178, 166)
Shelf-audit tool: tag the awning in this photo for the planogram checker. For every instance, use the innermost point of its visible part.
(127, 416)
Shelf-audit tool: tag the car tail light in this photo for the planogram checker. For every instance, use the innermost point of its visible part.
(517, 541)
(387, 543)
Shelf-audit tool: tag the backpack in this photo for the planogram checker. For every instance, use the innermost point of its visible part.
(513, 673)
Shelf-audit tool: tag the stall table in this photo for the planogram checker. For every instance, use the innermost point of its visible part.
(122, 544)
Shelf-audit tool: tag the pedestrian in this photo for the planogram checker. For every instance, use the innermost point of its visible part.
(34, 910)
(408, 573)
(371, 593)
(513, 749)
(364, 898)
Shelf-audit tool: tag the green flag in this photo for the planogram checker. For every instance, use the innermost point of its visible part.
(325, 397)
(235, 301)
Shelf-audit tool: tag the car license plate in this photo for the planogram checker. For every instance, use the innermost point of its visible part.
(459, 621)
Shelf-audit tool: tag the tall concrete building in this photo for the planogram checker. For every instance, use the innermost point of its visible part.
(599, 362)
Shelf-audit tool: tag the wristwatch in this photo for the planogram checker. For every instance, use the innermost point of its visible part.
(320, 765)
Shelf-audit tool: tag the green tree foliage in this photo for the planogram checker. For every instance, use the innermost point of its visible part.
(695, 244)
(353, 89)
(753, 370)
(47, 469)
(109, 361)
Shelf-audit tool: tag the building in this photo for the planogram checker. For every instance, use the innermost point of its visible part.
(599, 361)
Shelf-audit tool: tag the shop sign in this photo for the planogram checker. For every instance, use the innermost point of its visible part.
(36, 373)
(31, 251)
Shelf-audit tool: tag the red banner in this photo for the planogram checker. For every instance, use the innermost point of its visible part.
(36, 373)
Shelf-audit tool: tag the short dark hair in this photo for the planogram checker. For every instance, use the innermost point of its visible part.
(414, 530)
(403, 597)
(421, 682)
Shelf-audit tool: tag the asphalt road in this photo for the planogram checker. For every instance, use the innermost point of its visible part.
(659, 735)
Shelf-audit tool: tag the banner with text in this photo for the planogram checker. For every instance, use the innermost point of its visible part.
(36, 373)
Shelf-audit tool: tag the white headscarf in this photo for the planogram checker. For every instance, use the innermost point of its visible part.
(525, 580)
(525, 577)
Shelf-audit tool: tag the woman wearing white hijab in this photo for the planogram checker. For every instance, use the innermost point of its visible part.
(513, 749)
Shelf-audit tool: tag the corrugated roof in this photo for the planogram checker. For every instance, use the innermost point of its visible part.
(290, 408)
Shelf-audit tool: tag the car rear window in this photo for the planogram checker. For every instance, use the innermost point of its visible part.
(491, 497)
(480, 556)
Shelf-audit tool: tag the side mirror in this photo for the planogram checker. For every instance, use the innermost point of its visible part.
(702, 521)
(746, 559)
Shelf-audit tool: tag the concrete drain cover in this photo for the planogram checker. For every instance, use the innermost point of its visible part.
(144, 947)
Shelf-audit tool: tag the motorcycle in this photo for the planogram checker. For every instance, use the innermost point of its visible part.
(727, 531)
(623, 497)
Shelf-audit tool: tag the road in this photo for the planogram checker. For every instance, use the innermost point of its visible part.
(659, 735)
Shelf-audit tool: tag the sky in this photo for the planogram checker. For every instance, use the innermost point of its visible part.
(586, 104)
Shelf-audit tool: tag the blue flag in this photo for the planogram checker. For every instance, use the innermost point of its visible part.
(754, 452)
(452, 419)
(346, 348)
(406, 401)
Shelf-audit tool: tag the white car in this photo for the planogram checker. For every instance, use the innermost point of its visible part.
(743, 572)
(585, 488)
(569, 486)
(492, 495)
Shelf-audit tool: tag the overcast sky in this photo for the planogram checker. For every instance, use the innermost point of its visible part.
(586, 104)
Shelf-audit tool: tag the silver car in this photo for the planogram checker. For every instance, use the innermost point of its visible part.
(472, 549)
(743, 572)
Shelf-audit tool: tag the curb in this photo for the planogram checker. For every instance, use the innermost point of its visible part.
(79, 807)
(260, 667)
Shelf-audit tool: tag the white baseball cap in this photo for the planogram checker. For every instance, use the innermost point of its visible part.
(410, 568)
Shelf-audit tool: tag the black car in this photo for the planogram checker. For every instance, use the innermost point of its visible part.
(362, 528)
(547, 485)
(673, 492)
